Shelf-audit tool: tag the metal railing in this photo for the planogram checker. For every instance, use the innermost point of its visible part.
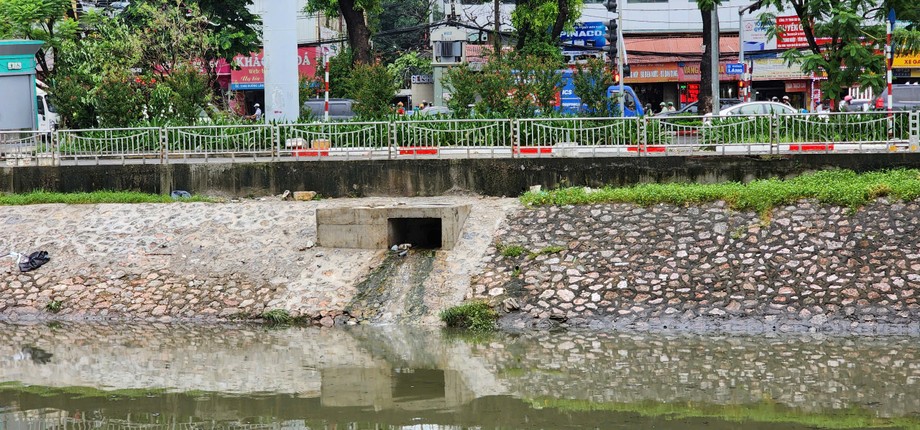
(850, 132)
(25, 148)
(338, 140)
(453, 138)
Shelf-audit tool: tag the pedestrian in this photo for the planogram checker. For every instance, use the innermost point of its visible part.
(845, 103)
(257, 114)
(774, 99)
(399, 109)
(786, 101)
(662, 107)
(648, 108)
(671, 107)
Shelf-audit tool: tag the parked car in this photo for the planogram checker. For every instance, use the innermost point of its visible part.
(904, 97)
(757, 108)
(435, 110)
(693, 108)
(339, 109)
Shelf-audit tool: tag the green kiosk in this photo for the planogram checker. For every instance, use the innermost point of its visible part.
(18, 110)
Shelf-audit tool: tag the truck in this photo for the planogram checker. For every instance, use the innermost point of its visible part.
(48, 118)
(569, 103)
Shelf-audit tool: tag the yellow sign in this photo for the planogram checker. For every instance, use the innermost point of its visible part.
(906, 61)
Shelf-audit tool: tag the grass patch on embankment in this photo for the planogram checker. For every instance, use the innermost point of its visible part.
(835, 187)
(761, 412)
(42, 197)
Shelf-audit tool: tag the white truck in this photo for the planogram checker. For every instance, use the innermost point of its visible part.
(48, 118)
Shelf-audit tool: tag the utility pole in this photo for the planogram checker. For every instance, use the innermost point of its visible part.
(612, 48)
(714, 67)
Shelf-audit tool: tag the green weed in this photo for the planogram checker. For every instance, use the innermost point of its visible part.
(474, 316)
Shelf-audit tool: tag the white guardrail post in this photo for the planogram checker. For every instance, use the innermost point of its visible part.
(515, 136)
(914, 139)
(164, 146)
(55, 149)
(276, 142)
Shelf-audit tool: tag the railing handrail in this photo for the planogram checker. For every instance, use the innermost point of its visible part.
(698, 134)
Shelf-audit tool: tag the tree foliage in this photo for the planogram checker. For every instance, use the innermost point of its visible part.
(855, 34)
(507, 86)
(45, 20)
(182, 33)
(539, 23)
(408, 64)
(395, 16)
(372, 86)
(91, 90)
(591, 81)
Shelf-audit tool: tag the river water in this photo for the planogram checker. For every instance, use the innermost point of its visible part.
(175, 377)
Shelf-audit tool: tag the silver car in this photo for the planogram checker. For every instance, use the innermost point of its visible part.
(757, 108)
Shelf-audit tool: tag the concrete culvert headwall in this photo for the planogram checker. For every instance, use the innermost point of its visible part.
(423, 226)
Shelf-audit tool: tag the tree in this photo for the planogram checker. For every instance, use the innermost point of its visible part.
(591, 82)
(44, 20)
(231, 28)
(353, 12)
(391, 39)
(845, 39)
(706, 97)
(182, 36)
(408, 64)
(532, 18)
(91, 90)
(372, 87)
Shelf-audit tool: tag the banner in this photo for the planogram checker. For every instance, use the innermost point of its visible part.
(248, 72)
(591, 34)
(790, 34)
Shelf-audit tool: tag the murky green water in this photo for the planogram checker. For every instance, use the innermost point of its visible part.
(153, 377)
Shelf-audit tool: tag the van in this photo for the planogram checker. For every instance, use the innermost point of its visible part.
(339, 109)
(48, 118)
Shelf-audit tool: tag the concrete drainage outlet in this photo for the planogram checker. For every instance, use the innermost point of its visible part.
(423, 226)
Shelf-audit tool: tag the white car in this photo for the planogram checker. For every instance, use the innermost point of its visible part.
(757, 108)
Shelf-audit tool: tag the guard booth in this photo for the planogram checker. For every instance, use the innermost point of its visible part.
(19, 110)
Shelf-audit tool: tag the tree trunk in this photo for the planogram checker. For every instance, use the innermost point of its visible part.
(561, 18)
(497, 37)
(524, 31)
(359, 36)
(705, 104)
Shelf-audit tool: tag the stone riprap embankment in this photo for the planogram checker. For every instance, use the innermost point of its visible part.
(805, 266)
(217, 261)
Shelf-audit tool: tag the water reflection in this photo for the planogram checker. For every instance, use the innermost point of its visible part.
(197, 378)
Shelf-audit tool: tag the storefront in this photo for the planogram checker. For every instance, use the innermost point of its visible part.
(772, 77)
(677, 82)
(906, 69)
(247, 76)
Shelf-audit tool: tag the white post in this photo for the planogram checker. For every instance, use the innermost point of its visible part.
(326, 84)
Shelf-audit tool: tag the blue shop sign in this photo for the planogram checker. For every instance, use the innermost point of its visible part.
(589, 34)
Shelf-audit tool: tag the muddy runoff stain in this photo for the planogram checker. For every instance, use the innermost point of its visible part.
(394, 291)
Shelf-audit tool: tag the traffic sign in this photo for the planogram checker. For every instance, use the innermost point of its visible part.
(734, 69)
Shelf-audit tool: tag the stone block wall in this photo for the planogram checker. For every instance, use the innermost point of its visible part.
(801, 266)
